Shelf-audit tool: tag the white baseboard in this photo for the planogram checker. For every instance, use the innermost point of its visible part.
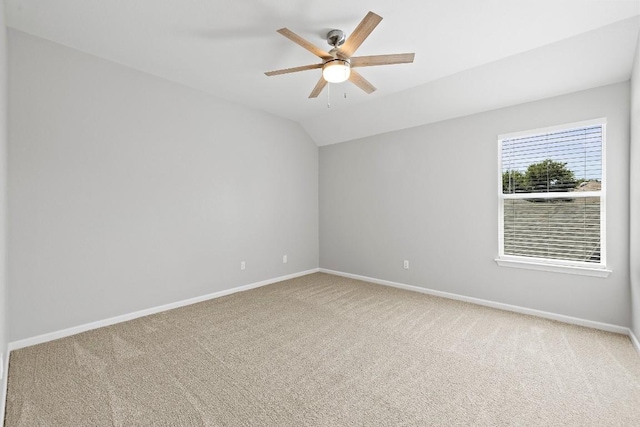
(508, 307)
(634, 341)
(14, 345)
(3, 390)
(130, 316)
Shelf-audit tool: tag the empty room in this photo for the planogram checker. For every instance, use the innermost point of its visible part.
(305, 213)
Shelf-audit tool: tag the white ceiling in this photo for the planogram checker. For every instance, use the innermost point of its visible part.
(471, 55)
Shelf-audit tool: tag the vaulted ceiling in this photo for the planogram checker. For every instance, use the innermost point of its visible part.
(471, 55)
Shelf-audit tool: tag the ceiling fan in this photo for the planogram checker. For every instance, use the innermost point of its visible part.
(337, 64)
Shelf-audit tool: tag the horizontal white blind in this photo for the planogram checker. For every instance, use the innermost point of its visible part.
(566, 226)
(531, 164)
(554, 229)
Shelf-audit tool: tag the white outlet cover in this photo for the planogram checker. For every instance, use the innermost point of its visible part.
(284, 259)
(243, 265)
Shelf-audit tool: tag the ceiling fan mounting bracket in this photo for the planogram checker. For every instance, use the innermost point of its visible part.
(336, 38)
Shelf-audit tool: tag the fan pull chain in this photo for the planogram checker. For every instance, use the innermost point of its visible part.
(328, 95)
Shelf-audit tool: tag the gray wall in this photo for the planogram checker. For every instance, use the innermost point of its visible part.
(635, 194)
(128, 191)
(429, 195)
(3, 198)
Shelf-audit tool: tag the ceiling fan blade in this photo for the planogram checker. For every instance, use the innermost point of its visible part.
(316, 90)
(304, 43)
(361, 82)
(362, 31)
(369, 61)
(293, 70)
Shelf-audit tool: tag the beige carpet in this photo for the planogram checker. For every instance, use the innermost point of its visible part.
(327, 351)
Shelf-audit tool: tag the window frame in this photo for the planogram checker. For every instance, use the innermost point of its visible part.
(547, 264)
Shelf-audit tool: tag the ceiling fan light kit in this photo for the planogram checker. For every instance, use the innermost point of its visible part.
(337, 64)
(336, 70)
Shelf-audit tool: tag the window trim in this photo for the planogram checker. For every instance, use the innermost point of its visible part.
(547, 264)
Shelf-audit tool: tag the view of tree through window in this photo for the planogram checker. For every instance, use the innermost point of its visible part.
(551, 195)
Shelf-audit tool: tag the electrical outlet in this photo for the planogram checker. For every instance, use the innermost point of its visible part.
(406, 265)
(243, 265)
(284, 259)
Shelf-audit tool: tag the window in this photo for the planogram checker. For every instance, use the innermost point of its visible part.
(552, 199)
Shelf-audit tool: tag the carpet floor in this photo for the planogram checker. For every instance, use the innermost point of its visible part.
(322, 350)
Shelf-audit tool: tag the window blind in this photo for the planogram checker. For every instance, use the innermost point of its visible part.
(551, 195)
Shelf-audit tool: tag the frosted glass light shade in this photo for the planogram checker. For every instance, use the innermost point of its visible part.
(336, 71)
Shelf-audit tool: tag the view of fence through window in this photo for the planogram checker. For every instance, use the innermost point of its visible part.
(551, 186)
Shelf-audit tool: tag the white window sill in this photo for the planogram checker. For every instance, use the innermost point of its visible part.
(584, 271)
